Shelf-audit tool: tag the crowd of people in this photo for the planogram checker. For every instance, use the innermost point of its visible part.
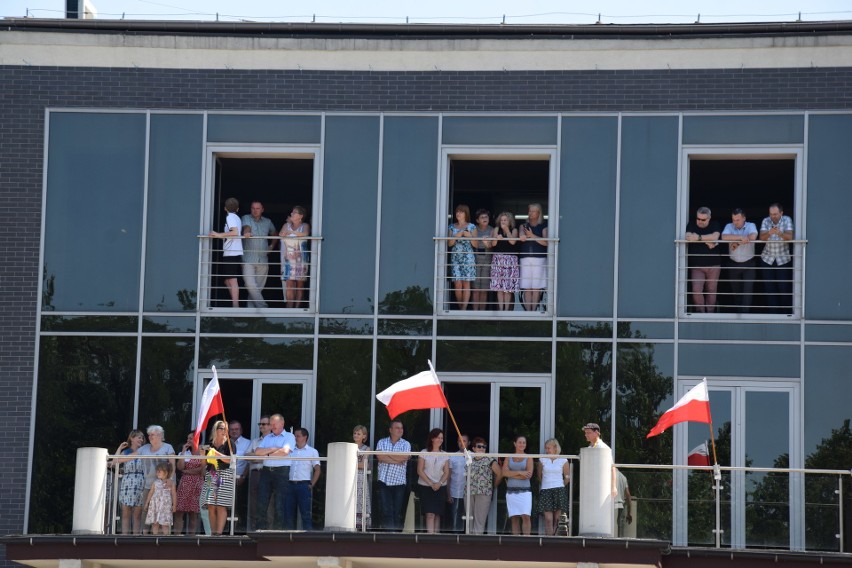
(262, 494)
(713, 251)
(272, 493)
(505, 259)
(248, 257)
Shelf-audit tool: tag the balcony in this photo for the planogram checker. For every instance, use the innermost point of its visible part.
(487, 283)
(275, 282)
(748, 290)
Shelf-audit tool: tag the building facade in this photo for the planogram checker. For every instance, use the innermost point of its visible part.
(121, 141)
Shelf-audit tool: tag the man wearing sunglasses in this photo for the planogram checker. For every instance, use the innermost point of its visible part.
(704, 261)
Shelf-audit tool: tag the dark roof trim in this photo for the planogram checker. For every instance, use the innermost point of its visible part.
(431, 31)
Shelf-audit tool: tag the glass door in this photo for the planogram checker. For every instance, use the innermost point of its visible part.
(755, 425)
(497, 409)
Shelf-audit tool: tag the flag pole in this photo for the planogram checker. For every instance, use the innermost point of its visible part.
(710, 425)
(449, 410)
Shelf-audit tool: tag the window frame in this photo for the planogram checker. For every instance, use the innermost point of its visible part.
(745, 152)
(549, 154)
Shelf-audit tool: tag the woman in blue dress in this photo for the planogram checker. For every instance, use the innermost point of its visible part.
(461, 255)
(132, 483)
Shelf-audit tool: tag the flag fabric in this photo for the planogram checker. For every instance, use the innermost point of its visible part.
(421, 391)
(699, 455)
(693, 407)
(211, 405)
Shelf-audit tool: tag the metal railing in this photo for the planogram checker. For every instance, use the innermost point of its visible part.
(482, 280)
(719, 285)
(284, 276)
(721, 506)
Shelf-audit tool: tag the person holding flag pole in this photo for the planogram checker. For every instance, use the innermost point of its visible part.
(212, 405)
(420, 392)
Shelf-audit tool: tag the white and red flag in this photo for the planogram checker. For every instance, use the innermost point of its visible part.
(421, 391)
(693, 407)
(211, 405)
(699, 455)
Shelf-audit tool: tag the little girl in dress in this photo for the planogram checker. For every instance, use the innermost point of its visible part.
(161, 501)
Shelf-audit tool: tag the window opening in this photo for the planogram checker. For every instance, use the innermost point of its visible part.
(752, 185)
(496, 186)
(280, 184)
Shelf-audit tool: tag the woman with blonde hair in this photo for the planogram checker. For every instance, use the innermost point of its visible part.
(553, 476)
(219, 478)
(362, 509)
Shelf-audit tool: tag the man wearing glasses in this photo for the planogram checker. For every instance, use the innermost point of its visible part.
(704, 261)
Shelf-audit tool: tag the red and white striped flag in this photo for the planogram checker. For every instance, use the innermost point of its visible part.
(423, 390)
(693, 407)
(211, 405)
(699, 455)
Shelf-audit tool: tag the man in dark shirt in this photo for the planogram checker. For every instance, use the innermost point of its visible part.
(704, 261)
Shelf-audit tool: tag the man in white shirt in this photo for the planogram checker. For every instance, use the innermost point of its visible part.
(740, 235)
(593, 436)
(304, 474)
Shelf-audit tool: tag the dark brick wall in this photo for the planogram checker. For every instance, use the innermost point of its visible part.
(25, 92)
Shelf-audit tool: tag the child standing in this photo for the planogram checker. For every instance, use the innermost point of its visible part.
(162, 500)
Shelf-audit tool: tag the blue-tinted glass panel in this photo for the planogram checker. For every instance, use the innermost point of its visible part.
(86, 388)
(775, 129)
(350, 185)
(174, 187)
(90, 323)
(409, 175)
(93, 220)
(264, 128)
(586, 197)
(346, 326)
(494, 356)
(827, 393)
(589, 329)
(166, 378)
(398, 359)
(645, 330)
(644, 382)
(648, 213)
(829, 203)
(583, 392)
(486, 328)
(405, 327)
(344, 377)
(739, 360)
(733, 331)
(256, 353)
(767, 444)
(270, 326)
(508, 130)
(168, 324)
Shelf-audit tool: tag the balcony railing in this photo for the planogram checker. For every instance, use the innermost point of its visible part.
(482, 280)
(750, 287)
(283, 277)
(772, 508)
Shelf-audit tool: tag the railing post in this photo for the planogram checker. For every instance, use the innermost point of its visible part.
(840, 509)
(717, 477)
(341, 491)
(90, 491)
(596, 492)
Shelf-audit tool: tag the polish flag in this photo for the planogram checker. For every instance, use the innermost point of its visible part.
(211, 405)
(699, 455)
(693, 407)
(421, 391)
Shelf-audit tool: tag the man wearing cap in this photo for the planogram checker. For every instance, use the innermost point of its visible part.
(593, 436)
